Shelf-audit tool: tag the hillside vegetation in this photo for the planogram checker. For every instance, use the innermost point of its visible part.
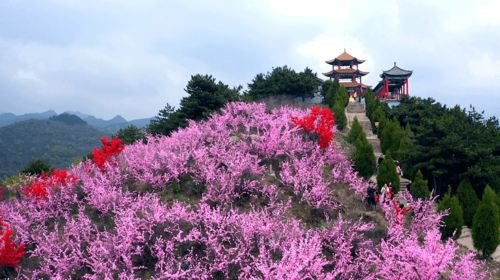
(59, 141)
(246, 194)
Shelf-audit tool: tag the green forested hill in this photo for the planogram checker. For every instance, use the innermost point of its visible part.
(55, 141)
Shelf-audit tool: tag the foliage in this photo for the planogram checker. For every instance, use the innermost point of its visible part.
(205, 96)
(340, 117)
(453, 222)
(420, 187)
(485, 227)
(490, 196)
(469, 201)
(130, 134)
(241, 223)
(451, 144)
(283, 81)
(329, 91)
(37, 167)
(320, 121)
(387, 173)
(355, 132)
(394, 139)
(363, 157)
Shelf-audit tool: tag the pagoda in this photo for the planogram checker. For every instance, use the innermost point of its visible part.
(345, 70)
(394, 83)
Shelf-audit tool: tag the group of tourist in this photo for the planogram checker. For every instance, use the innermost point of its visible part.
(385, 196)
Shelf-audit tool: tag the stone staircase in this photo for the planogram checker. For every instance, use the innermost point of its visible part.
(357, 110)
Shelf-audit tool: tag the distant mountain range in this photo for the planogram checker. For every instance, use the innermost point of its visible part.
(107, 126)
(58, 140)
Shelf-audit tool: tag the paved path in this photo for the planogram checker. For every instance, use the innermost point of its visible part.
(465, 239)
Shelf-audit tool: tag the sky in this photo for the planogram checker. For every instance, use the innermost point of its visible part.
(131, 58)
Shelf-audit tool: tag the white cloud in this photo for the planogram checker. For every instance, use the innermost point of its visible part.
(131, 57)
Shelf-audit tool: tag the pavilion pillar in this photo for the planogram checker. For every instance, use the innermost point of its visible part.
(407, 87)
(386, 89)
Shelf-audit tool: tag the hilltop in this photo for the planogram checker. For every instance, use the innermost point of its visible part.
(246, 194)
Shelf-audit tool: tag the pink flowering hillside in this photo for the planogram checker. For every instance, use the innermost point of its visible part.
(247, 194)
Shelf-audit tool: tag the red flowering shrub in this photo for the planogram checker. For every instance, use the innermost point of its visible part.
(37, 190)
(10, 254)
(109, 149)
(320, 121)
(60, 177)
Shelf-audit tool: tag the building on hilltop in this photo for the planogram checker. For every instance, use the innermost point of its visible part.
(345, 70)
(394, 84)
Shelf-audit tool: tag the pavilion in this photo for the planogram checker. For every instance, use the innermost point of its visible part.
(394, 84)
(345, 70)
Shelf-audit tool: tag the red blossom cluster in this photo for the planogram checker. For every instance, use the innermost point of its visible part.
(109, 149)
(321, 121)
(10, 254)
(58, 177)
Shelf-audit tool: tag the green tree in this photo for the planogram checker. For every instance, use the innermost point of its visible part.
(391, 136)
(453, 222)
(378, 116)
(469, 201)
(356, 131)
(451, 144)
(167, 121)
(340, 117)
(419, 187)
(328, 90)
(36, 167)
(205, 96)
(387, 173)
(490, 196)
(363, 157)
(130, 134)
(485, 227)
(283, 81)
(342, 97)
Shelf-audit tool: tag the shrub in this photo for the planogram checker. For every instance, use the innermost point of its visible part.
(453, 222)
(356, 131)
(419, 187)
(469, 201)
(387, 173)
(485, 233)
(363, 157)
(340, 117)
(37, 167)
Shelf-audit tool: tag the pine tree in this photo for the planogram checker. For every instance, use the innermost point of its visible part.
(419, 187)
(485, 227)
(453, 222)
(387, 173)
(356, 131)
(36, 167)
(490, 196)
(340, 117)
(363, 157)
(469, 201)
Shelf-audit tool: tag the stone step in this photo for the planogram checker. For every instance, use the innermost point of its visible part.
(354, 107)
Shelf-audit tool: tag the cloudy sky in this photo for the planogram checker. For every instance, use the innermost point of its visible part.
(131, 57)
